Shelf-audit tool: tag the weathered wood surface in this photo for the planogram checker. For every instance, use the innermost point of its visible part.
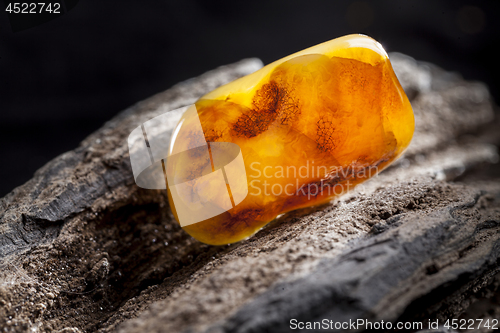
(83, 248)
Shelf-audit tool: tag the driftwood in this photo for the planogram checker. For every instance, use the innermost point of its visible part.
(83, 249)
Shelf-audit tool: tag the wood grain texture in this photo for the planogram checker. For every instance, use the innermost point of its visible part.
(83, 248)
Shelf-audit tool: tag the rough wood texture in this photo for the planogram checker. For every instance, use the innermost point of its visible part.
(83, 249)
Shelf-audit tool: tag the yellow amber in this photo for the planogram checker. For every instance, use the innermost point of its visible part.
(310, 126)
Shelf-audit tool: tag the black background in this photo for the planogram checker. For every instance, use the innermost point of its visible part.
(61, 80)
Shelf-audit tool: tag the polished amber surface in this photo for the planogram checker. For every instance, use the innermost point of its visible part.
(310, 126)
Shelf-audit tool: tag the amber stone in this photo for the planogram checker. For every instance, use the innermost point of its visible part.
(310, 127)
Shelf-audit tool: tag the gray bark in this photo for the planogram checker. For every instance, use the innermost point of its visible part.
(82, 248)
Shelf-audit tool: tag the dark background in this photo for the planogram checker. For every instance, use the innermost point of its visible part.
(61, 80)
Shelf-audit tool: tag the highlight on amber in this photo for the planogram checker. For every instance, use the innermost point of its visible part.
(296, 133)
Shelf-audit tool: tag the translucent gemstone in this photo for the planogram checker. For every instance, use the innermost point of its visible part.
(298, 132)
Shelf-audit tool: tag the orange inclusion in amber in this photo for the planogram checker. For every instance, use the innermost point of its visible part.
(335, 111)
